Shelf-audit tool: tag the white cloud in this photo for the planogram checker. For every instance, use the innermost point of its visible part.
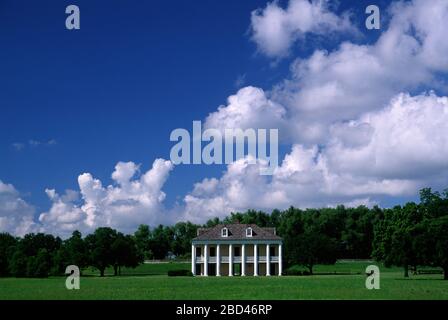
(19, 146)
(391, 152)
(341, 85)
(275, 29)
(248, 108)
(64, 215)
(124, 205)
(16, 215)
(408, 139)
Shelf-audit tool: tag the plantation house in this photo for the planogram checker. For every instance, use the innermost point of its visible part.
(236, 249)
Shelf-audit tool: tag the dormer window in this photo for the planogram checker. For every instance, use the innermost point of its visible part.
(249, 232)
(224, 232)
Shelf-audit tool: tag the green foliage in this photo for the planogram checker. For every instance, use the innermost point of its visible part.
(437, 239)
(142, 238)
(7, 247)
(183, 233)
(18, 264)
(160, 243)
(293, 271)
(99, 246)
(39, 266)
(415, 234)
(180, 273)
(124, 253)
(408, 236)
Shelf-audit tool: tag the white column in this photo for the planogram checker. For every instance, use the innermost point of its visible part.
(193, 259)
(230, 260)
(218, 260)
(255, 260)
(243, 260)
(268, 261)
(205, 260)
(279, 259)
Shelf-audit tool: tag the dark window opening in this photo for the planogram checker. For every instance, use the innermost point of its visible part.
(237, 251)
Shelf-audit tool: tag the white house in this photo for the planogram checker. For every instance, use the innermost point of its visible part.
(236, 249)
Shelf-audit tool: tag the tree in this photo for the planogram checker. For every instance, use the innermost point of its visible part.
(357, 233)
(183, 233)
(7, 247)
(316, 248)
(32, 243)
(124, 253)
(438, 244)
(73, 251)
(39, 266)
(142, 239)
(77, 250)
(33, 255)
(290, 228)
(99, 246)
(160, 242)
(212, 222)
(18, 264)
(394, 241)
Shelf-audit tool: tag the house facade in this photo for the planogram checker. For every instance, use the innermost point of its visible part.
(236, 249)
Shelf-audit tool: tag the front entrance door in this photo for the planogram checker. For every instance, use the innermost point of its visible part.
(211, 269)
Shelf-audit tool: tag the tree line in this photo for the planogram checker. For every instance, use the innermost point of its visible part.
(42, 255)
(409, 236)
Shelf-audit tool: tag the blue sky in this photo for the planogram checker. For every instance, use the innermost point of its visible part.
(114, 90)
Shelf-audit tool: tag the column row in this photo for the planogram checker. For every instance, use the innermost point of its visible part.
(231, 260)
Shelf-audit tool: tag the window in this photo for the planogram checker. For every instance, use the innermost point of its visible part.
(249, 232)
(272, 251)
(212, 251)
(224, 232)
(198, 251)
(236, 251)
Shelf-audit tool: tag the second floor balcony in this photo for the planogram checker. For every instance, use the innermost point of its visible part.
(237, 259)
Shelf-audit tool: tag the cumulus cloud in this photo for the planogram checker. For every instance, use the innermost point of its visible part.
(64, 215)
(343, 84)
(275, 29)
(124, 205)
(390, 152)
(248, 108)
(16, 215)
(409, 138)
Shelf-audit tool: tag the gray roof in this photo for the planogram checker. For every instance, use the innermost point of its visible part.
(237, 231)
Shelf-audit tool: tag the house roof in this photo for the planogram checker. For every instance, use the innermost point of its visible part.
(237, 232)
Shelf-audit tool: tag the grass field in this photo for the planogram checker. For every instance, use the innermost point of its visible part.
(149, 281)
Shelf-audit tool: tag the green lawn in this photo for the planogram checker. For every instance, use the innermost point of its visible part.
(150, 282)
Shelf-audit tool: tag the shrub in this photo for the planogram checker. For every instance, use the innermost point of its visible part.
(306, 273)
(18, 264)
(293, 272)
(180, 273)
